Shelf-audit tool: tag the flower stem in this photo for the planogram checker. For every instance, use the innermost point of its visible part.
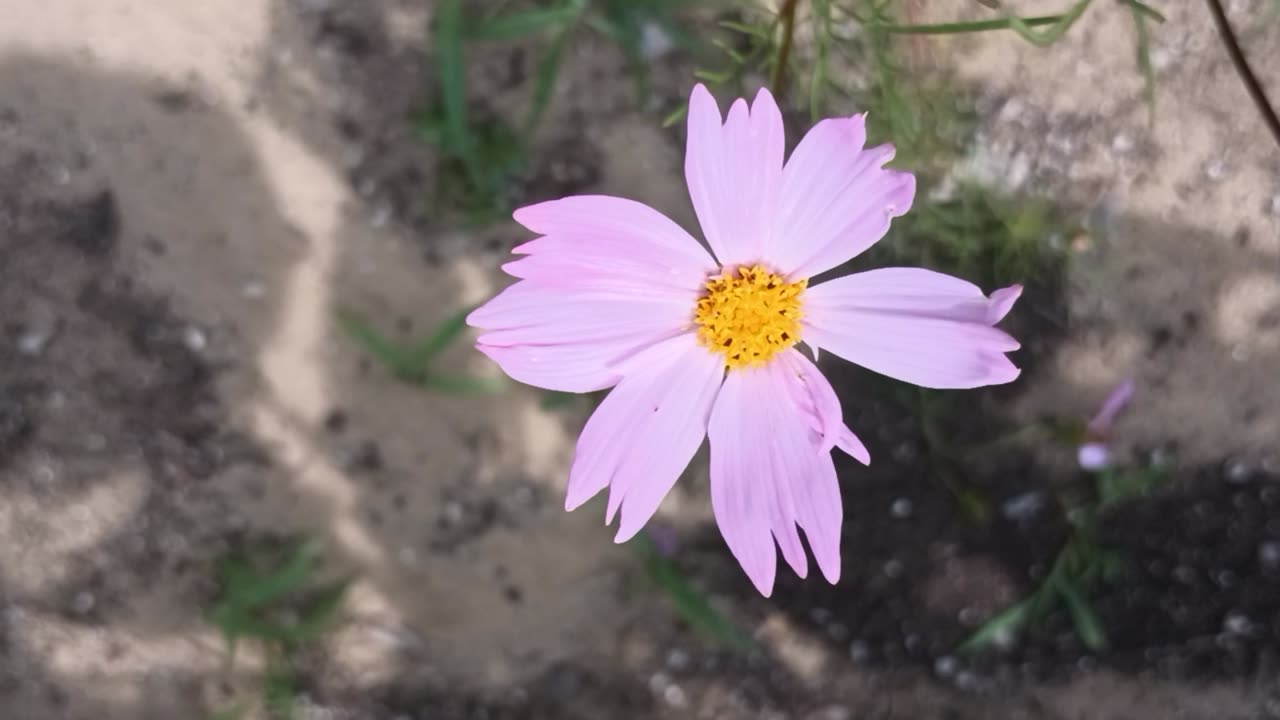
(788, 18)
(1256, 93)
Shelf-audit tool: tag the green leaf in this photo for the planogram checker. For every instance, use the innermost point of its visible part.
(821, 13)
(552, 400)
(1008, 623)
(391, 355)
(545, 80)
(755, 31)
(419, 357)
(1055, 31)
(691, 605)
(1145, 9)
(465, 385)
(675, 116)
(967, 27)
(521, 24)
(321, 614)
(1088, 625)
(1143, 53)
(291, 576)
(451, 67)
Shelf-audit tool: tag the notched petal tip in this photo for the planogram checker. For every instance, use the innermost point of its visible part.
(1001, 302)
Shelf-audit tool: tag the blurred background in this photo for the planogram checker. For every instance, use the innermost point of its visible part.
(251, 466)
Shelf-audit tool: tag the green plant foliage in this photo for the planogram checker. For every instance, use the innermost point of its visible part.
(413, 363)
(273, 596)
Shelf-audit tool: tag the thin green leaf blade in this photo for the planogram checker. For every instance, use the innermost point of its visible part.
(691, 605)
(442, 337)
(392, 356)
(521, 24)
(1087, 623)
(1007, 623)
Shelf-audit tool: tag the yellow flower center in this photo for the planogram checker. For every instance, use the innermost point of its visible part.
(749, 314)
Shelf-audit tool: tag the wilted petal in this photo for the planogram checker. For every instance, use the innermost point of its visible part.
(817, 400)
(1115, 403)
(837, 199)
(915, 325)
(644, 433)
(734, 173)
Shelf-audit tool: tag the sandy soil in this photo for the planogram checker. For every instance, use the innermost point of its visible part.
(190, 191)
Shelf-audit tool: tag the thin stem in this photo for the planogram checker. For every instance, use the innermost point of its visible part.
(1258, 95)
(788, 18)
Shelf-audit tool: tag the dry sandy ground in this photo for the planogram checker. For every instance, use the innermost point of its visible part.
(251, 171)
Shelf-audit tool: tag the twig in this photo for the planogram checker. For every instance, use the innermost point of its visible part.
(1256, 93)
(788, 18)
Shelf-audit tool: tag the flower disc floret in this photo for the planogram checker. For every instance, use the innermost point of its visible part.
(749, 314)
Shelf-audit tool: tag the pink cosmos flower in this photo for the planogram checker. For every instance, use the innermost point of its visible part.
(614, 294)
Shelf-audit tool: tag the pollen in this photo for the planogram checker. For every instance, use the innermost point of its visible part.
(749, 314)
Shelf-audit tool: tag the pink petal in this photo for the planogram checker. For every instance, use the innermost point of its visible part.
(1094, 456)
(1115, 403)
(837, 199)
(591, 236)
(734, 172)
(915, 325)
(644, 433)
(576, 368)
(768, 474)
(817, 400)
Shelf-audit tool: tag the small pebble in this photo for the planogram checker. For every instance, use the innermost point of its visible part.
(859, 652)
(1237, 623)
(675, 697)
(1122, 143)
(1215, 169)
(194, 338)
(659, 682)
(1024, 506)
(83, 603)
(901, 508)
(254, 290)
(893, 569)
(408, 557)
(969, 616)
(678, 659)
(1237, 470)
(33, 342)
(966, 680)
(945, 666)
(831, 712)
(1269, 555)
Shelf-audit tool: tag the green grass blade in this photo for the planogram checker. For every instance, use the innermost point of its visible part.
(465, 385)
(968, 27)
(1009, 622)
(391, 355)
(451, 66)
(545, 80)
(691, 605)
(1145, 9)
(321, 615)
(521, 24)
(821, 15)
(1143, 52)
(291, 576)
(679, 114)
(1087, 623)
(418, 358)
(1054, 32)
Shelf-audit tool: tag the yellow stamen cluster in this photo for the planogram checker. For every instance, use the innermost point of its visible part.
(749, 315)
